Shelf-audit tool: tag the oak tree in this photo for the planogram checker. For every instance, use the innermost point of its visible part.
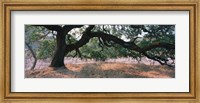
(155, 42)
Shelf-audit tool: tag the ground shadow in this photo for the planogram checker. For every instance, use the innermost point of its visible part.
(103, 70)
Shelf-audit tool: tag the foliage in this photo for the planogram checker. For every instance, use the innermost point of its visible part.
(40, 40)
(46, 49)
(99, 49)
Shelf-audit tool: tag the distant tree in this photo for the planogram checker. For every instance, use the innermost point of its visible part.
(30, 38)
(156, 42)
(35, 42)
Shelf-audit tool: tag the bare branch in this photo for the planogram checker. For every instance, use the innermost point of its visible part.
(33, 54)
(68, 28)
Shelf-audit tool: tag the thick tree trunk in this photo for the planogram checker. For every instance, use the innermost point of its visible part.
(58, 59)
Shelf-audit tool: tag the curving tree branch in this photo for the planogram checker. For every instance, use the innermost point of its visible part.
(84, 40)
(70, 27)
(160, 45)
(33, 54)
(88, 34)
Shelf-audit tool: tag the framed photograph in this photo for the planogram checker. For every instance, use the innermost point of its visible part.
(114, 50)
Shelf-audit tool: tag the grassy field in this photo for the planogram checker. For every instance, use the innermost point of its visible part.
(103, 70)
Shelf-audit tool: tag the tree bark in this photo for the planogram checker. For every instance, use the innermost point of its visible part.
(58, 59)
(61, 47)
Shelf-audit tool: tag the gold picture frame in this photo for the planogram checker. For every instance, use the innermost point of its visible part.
(159, 5)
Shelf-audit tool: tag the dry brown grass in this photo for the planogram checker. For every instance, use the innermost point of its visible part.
(103, 70)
